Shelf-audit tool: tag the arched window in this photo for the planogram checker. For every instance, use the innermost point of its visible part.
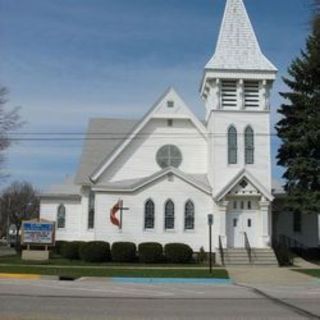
(189, 216)
(249, 145)
(91, 210)
(61, 217)
(232, 145)
(149, 215)
(169, 215)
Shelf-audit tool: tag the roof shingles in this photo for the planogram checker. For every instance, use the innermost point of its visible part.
(238, 47)
(103, 137)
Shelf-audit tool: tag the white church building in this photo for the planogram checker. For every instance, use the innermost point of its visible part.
(171, 169)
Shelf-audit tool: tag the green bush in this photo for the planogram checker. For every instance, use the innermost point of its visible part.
(70, 250)
(58, 246)
(95, 251)
(178, 253)
(150, 252)
(123, 252)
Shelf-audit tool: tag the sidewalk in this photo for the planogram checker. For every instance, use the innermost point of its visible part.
(270, 276)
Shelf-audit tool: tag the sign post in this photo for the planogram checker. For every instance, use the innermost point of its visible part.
(210, 223)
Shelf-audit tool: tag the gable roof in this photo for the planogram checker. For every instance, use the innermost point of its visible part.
(159, 110)
(103, 137)
(237, 47)
(243, 174)
(66, 190)
(198, 181)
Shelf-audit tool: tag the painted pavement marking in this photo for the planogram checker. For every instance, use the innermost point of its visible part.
(19, 276)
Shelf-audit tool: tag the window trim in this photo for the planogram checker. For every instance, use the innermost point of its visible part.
(145, 215)
(249, 147)
(165, 216)
(189, 201)
(230, 147)
(61, 206)
(169, 158)
(91, 210)
(170, 104)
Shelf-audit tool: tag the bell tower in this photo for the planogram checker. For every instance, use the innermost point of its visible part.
(235, 88)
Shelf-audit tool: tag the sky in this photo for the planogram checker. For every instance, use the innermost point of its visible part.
(65, 61)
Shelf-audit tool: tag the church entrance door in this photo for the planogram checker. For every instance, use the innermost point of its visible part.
(239, 223)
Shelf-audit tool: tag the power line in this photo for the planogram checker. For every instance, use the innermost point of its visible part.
(127, 134)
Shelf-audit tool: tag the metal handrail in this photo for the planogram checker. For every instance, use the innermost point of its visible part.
(221, 250)
(294, 245)
(283, 251)
(248, 247)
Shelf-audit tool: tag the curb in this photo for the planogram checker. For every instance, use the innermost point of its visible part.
(20, 276)
(196, 281)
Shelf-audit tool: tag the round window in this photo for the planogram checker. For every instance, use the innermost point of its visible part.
(169, 156)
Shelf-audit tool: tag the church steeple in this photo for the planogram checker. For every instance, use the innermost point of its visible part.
(238, 47)
(238, 76)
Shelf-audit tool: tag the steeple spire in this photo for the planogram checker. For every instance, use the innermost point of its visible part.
(238, 47)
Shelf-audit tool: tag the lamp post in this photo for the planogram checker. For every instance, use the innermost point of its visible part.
(210, 223)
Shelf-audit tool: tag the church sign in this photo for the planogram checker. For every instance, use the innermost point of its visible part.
(38, 233)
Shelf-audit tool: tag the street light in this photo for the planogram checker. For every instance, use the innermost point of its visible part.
(210, 223)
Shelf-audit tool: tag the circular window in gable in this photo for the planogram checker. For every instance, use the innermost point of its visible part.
(169, 156)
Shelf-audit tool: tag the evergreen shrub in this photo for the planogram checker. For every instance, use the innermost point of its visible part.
(150, 252)
(95, 251)
(70, 250)
(178, 253)
(123, 252)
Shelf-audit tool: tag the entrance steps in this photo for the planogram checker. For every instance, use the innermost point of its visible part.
(259, 257)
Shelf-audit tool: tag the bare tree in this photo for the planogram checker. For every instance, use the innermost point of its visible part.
(9, 121)
(19, 202)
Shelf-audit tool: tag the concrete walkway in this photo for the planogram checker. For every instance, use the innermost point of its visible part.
(301, 263)
(6, 251)
(270, 276)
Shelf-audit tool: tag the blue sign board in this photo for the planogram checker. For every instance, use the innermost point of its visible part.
(41, 233)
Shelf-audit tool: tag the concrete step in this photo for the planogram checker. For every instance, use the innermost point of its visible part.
(236, 259)
(236, 255)
(261, 257)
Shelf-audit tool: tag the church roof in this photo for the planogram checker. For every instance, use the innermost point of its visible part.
(103, 137)
(199, 181)
(65, 190)
(238, 47)
(159, 110)
(243, 174)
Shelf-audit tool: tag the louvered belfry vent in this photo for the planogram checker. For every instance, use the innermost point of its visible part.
(229, 93)
(251, 94)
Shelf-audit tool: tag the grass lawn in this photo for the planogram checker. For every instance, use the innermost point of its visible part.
(116, 272)
(58, 266)
(310, 272)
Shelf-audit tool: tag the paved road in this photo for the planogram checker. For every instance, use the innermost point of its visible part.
(102, 299)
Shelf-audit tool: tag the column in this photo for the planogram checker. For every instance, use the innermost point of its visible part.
(217, 94)
(265, 223)
(223, 207)
(240, 94)
(265, 95)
